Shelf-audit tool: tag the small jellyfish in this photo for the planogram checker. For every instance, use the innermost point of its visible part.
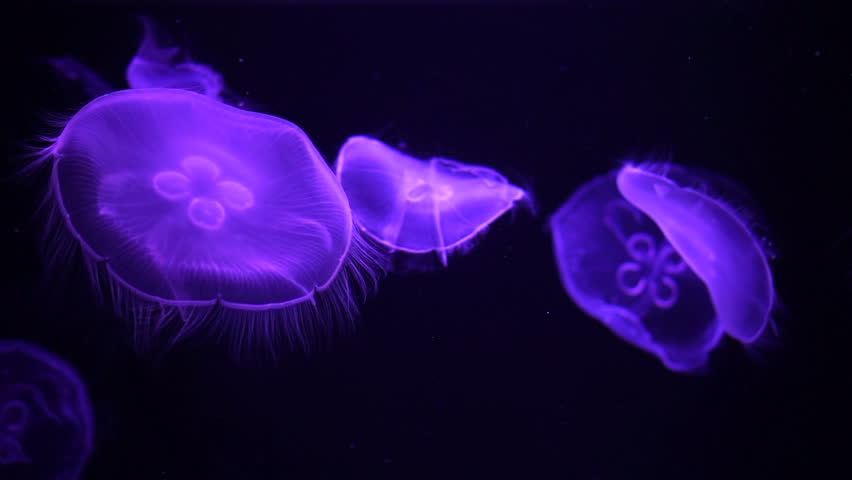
(665, 264)
(159, 64)
(187, 207)
(418, 206)
(46, 421)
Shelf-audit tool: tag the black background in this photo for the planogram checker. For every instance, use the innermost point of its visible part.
(484, 368)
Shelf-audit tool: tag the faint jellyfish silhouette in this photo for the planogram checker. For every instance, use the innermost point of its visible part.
(74, 72)
(666, 265)
(160, 64)
(195, 211)
(418, 206)
(155, 65)
(46, 421)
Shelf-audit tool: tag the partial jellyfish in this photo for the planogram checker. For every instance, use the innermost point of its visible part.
(160, 64)
(46, 422)
(653, 253)
(192, 213)
(87, 80)
(416, 206)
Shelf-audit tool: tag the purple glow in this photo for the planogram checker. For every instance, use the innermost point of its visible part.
(420, 206)
(46, 422)
(160, 65)
(665, 266)
(714, 242)
(92, 84)
(189, 208)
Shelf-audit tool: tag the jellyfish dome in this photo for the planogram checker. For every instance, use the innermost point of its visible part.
(46, 421)
(159, 66)
(666, 265)
(186, 203)
(420, 206)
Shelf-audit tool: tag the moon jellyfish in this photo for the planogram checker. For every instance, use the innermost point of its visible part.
(650, 252)
(46, 422)
(418, 206)
(158, 65)
(188, 208)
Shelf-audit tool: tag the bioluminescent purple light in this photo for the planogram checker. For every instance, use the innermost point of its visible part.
(92, 84)
(160, 65)
(46, 421)
(420, 206)
(650, 253)
(193, 209)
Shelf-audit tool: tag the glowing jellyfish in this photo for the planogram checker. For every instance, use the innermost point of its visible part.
(46, 422)
(418, 206)
(651, 253)
(191, 208)
(157, 65)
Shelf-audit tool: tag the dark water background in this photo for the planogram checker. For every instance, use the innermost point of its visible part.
(484, 369)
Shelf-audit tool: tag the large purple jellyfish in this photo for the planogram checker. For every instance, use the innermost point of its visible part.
(158, 64)
(419, 206)
(195, 210)
(46, 422)
(650, 252)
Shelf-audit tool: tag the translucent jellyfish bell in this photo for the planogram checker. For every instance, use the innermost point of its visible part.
(46, 422)
(420, 206)
(209, 212)
(663, 263)
(160, 65)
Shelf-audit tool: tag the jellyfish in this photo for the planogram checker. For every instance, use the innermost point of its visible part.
(187, 209)
(417, 206)
(654, 253)
(46, 421)
(159, 64)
